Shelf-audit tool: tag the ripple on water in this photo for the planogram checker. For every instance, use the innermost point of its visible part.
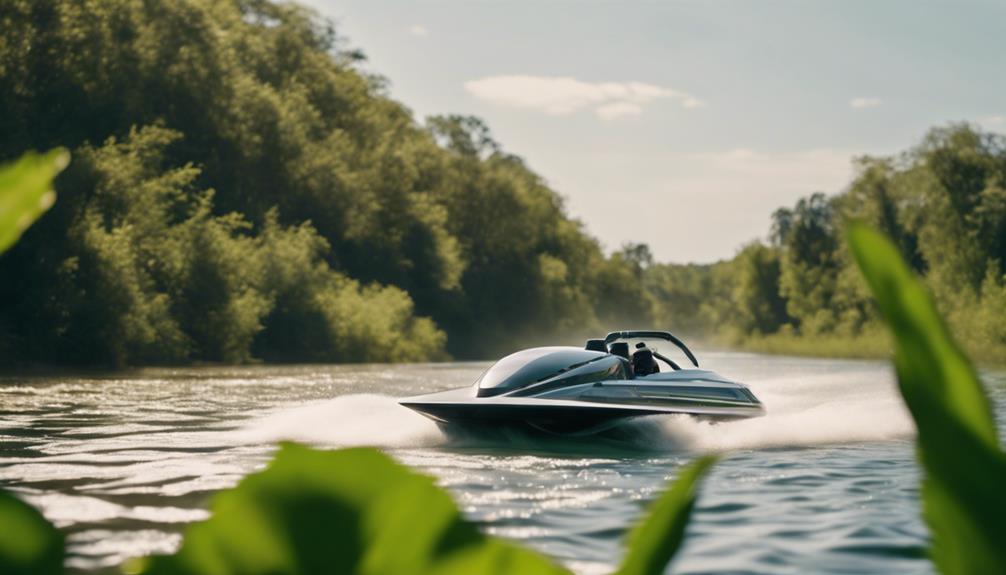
(826, 483)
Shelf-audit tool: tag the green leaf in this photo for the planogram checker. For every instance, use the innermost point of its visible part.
(653, 543)
(26, 191)
(347, 511)
(963, 498)
(28, 543)
(496, 557)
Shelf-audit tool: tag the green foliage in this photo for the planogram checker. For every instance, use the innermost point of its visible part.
(26, 192)
(761, 308)
(873, 343)
(944, 206)
(205, 122)
(621, 288)
(150, 275)
(806, 237)
(111, 286)
(656, 539)
(29, 545)
(684, 296)
(965, 467)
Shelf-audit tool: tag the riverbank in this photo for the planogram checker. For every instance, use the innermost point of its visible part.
(869, 345)
(873, 344)
(864, 346)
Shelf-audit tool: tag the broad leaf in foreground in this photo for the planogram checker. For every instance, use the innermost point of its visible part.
(964, 500)
(347, 511)
(26, 191)
(29, 545)
(657, 537)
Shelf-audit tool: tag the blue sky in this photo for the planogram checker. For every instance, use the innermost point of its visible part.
(684, 124)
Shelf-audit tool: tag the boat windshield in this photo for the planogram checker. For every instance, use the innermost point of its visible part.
(530, 365)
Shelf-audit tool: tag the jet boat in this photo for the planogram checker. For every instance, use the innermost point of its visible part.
(572, 390)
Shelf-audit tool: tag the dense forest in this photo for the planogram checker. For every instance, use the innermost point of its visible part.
(241, 188)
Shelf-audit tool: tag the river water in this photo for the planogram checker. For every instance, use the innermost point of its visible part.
(826, 483)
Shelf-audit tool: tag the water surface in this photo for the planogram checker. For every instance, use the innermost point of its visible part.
(826, 483)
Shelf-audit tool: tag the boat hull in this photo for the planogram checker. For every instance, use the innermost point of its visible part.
(457, 409)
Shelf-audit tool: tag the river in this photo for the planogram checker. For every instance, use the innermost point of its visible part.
(826, 483)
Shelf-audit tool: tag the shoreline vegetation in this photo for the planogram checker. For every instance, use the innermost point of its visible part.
(243, 189)
(866, 346)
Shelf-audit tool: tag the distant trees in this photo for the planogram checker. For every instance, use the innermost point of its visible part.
(758, 290)
(807, 243)
(942, 202)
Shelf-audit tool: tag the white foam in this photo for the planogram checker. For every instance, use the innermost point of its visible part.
(349, 420)
(805, 410)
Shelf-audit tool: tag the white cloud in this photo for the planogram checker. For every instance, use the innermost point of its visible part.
(692, 102)
(617, 110)
(861, 103)
(558, 95)
(419, 31)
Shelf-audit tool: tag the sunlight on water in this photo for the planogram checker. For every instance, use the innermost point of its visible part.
(825, 483)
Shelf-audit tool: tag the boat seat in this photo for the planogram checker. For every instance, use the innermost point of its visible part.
(643, 362)
(619, 348)
(596, 345)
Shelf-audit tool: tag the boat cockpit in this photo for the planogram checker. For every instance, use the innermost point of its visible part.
(645, 354)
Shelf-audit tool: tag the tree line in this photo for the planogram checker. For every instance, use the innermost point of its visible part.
(241, 189)
(943, 202)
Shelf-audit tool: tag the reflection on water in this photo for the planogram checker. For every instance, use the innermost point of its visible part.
(825, 483)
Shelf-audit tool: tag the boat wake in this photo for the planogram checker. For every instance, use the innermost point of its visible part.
(802, 410)
(347, 421)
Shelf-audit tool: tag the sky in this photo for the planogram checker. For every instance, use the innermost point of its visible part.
(685, 124)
